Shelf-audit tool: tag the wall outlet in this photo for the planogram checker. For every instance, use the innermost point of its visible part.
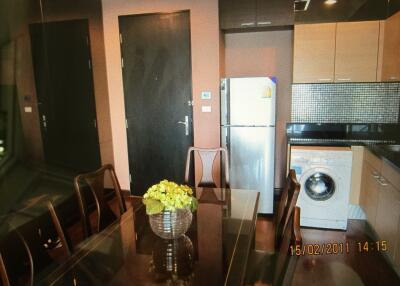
(206, 108)
(28, 109)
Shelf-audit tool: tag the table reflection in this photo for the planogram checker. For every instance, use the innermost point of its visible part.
(173, 260)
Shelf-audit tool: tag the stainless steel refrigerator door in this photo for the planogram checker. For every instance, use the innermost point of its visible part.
(251, 101)
(251, 151)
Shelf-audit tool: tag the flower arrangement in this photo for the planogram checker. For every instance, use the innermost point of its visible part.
(168, 196)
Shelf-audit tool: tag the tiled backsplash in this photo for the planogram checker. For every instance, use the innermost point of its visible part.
(346, 103)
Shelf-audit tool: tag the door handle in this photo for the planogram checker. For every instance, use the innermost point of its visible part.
(44, 121)
(186, 123)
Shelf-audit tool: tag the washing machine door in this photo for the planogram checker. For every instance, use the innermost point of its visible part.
(319, 186)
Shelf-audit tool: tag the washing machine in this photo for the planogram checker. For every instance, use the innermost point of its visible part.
(324, 174)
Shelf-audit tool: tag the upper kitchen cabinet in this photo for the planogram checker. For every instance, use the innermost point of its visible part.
(274, 13)
(390, 65)
(314, 53)
(336, 52)
(236, 14)
(356, 57)
(259, 14)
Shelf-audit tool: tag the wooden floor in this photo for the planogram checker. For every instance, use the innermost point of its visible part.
(352, 268)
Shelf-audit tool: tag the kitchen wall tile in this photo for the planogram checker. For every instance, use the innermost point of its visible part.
(346, 103)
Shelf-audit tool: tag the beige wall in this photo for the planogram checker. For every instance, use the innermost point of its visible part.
(267, 53)
(205, 70)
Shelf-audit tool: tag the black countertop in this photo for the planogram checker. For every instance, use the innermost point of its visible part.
(350, 133)
(375, 137)
(392, 157)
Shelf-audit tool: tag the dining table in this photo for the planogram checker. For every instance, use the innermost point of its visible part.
(213, 251)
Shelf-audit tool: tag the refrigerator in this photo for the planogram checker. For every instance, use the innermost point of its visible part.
(248, 133)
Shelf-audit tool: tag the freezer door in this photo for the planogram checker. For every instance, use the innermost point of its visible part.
(251, 151)
(251, 101)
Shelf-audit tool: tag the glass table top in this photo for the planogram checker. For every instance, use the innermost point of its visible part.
(213, 251)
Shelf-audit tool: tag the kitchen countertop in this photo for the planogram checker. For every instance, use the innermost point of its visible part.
(345, 133)
(372, 136)
(392, 157)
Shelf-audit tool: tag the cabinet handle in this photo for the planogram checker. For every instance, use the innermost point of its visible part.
(264, 23)
(324, 79)
(247, 24)
(393, 78)
(382, 182)
(343, 79)
(375, 176)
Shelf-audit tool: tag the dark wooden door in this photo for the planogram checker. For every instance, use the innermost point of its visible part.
(156, 63)
(64, 85)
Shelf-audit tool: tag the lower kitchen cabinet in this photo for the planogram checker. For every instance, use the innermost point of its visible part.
(397, 253)
(388, 216)
(380, 200)
(369, 192)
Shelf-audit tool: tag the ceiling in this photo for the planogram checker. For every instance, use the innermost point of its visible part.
(344, 10)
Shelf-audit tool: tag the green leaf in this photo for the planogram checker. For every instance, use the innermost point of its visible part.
(193, 205)
(153, 206)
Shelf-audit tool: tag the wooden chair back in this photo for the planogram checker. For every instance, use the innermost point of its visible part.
(6, 279)
(277, 268)
(3, 273)
(95, 181)
(286, 205)
(286, 257)
(207, 157)
(61, 232)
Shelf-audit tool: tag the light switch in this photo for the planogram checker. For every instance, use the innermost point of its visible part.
(206, 95)
(206, 108)
(28, 109)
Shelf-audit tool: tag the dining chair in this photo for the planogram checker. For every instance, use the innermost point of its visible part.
(8, 278)
(266, 267)
(286, 205)
(60, 230)
(207, 157)
(95, 182)
(286, 259)
(3, 273)
(277, 268)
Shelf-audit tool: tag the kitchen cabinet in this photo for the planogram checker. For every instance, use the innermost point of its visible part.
(356, 55)
(369, 192)
(388, 215)
(236, 14)
(397, 253)
(274, 13)
(380, 200)
(314, 53)
(239, 14)
(390, 69)
(336, 52)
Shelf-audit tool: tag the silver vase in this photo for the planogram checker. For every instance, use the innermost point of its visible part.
(171, 224)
